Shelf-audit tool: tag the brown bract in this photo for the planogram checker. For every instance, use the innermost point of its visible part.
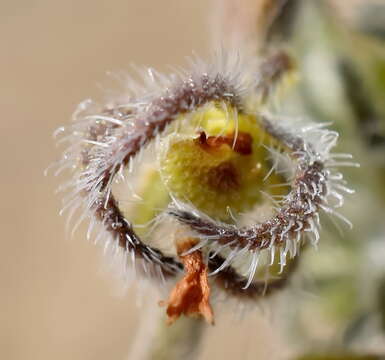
(190, 295)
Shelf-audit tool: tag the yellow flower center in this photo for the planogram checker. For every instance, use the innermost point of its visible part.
(223, 167)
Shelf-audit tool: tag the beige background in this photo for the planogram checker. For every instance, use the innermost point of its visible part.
(55, 302)
(56, 299)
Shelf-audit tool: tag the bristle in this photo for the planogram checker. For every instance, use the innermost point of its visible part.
(252, 269)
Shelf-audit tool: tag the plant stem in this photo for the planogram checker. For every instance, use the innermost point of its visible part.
(157, 340)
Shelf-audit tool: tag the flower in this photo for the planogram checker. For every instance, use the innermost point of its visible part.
(198, 156)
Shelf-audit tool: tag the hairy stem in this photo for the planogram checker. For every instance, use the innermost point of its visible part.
(157, 340)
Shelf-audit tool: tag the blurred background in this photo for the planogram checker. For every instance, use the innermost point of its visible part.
(56, 299)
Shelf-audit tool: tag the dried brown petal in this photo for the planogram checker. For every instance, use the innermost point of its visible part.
(190, 295)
